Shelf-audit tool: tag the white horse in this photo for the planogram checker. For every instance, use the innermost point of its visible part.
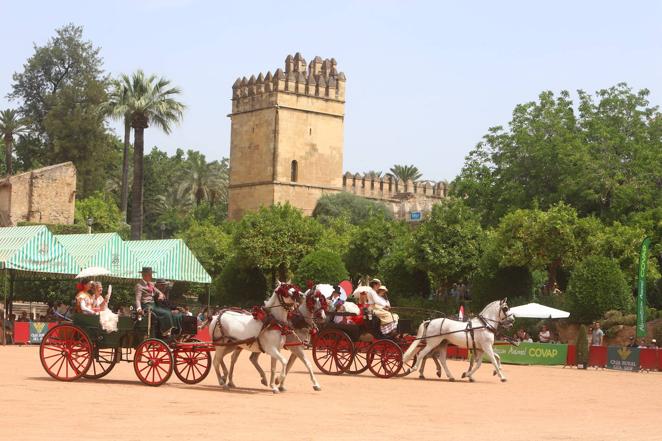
(478, 333)
(231, 330)
(314, 307)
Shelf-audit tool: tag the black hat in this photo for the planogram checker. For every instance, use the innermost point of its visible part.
(161, 281)
(146, 269)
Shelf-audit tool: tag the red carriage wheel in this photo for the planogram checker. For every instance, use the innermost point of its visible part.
(65, 352)
(103, 361)
(191, 365)
(333, 351)
(384, 358)
(360, 361)
(409, 364)
(153, 362)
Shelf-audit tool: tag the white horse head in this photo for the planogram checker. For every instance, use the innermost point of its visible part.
(498, 314)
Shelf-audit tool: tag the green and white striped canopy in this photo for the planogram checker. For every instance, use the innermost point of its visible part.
(34, 249)
(170, 259)
(105, 250)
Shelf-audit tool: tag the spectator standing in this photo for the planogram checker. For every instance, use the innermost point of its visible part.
(597, 336)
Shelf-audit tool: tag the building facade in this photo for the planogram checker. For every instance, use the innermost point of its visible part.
(287, 144)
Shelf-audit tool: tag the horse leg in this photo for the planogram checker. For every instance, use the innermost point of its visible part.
(494, 372)
(441, 360)
(421, 356)
(497, 365)
(276, 356)
(290, 362)
(253, 358)
(233, 360)
(437, 364)
(478, 359)
(298, 351)
(218, 357)
(421, 376)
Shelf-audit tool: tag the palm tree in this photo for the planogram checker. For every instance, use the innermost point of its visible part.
(10, 125)
(405, 172)
(373, 174)
(205, 181)
(116, 107)
(149, 100)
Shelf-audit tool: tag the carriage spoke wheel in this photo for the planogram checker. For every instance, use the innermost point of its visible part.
(191, 365)
(65, 352)
(103, 361)
(333, 351)
(409, 364)
(360, 361)
(153, 362)
(384, 359)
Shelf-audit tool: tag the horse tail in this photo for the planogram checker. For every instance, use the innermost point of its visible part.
(414, 345)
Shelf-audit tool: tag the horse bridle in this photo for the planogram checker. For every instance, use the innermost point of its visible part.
(496, 323)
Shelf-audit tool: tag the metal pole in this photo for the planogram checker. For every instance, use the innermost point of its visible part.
(208, 298)
(10, 306)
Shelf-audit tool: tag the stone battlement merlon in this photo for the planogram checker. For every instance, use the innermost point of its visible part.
(388, 187)
(319, 79)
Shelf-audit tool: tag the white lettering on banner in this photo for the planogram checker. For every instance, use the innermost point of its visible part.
(543, 352)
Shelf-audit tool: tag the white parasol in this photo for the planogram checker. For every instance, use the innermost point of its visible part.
(536, 310)
(92, 271)
(326, 290)
(362, 289)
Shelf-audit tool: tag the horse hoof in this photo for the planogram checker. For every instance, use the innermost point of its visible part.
(226, 386)
(451, 379)
(275, 390)
(231, 385)
(317, 388)
(464, 374)
(471, 380)
(439, 374)
(282, 389)
(503, 380)
(494, 372)
(277, 380)
(264, 382)
(421, 377)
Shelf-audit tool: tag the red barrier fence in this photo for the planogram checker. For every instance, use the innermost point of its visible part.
(649, 359)
(571, 358)
(22, 331)
(597, 356)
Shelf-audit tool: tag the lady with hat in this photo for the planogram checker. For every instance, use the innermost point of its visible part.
(381, 308)
(83, 298)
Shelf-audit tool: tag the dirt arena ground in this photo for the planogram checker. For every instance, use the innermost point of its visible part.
(537, 403)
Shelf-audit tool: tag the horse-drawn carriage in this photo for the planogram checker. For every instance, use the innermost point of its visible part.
(81, 348)
(357, 347)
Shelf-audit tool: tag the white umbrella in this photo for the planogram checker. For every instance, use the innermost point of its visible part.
(327, 290)
(361, 289)
(92, 271)
(536, 310)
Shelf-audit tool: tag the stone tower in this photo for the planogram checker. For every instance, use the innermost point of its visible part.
(287, 136)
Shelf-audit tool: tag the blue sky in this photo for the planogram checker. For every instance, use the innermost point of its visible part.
(425, 80)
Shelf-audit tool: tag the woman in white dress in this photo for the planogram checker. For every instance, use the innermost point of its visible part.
(107, 318)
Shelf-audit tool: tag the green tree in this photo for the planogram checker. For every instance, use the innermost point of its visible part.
(447, 245)
(239, 285)
(103, 210)
(149, 100)
(369, 244)
(355, 208)
(538, 239)
(205, 181)
(116, 107)
(211, 244)
(320, 266)
(11, 125)
(400, 272)
(597, 285)
(275, 239)
(337, 235)
(406, 172)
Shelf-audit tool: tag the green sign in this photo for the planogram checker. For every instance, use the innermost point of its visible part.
(623, 358)
(641, 288)
(532, 353)
(37, 331)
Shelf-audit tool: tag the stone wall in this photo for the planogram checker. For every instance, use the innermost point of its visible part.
(46, 195)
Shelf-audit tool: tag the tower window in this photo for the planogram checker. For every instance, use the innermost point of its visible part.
(294, 177)
(310, 131)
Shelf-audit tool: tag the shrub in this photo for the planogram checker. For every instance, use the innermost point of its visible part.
(597, 285)
(582, 346)
(240, 286)
(320, 266)
(657, 334)
(352, 207)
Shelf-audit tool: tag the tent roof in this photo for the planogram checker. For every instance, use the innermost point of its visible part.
(536, 310)
(34, 249)
(105, 250)
(170, 259)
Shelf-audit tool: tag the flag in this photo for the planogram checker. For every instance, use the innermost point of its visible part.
(460, 314)
(641, 288)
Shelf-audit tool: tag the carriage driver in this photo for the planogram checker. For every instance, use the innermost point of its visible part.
(146, 296)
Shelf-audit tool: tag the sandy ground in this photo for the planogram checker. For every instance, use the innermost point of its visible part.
(537, 403)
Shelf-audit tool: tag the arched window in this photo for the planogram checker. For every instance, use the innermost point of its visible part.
(294, 176)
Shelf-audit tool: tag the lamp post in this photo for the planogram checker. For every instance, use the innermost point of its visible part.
(162, 227)
(90, 221)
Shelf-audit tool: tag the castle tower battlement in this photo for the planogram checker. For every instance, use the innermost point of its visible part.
(287, 135)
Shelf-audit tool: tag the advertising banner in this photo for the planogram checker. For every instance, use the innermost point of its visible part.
(37, 331)
(623, 358)
(532, 353)
(641, 287)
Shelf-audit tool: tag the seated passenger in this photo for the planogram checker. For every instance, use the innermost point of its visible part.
(83, 298)
(107, 318)
(147, 295)
(381, 308)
